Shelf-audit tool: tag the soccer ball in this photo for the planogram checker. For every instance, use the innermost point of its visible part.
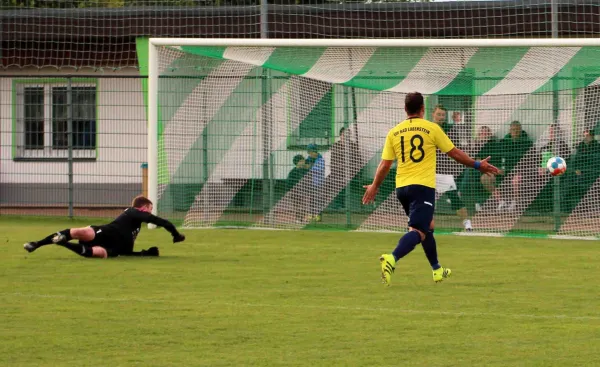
(556, 166)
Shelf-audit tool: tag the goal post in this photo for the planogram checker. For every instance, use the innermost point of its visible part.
(153, 126)
(228, 120)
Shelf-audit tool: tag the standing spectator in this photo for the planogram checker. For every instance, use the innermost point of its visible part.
(514, 147)
(461, 132)
(449, 170)
(294, 180)
(456, 117)
(344, 155)
(316, 166)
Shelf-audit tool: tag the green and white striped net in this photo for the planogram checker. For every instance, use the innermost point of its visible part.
(232, 119)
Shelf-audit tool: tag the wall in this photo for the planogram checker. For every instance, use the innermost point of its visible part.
(111, 179)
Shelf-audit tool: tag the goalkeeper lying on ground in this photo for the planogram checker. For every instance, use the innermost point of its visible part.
(113, 239)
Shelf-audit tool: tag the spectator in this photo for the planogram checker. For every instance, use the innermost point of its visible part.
(480, 185)
(449, 170)
(345, 154)
(585, 159)
(514, 147)
(554, 146)
(293, 179)
(460, 132)
(583, 169)
(316, 166)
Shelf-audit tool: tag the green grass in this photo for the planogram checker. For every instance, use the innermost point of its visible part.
(259, 298)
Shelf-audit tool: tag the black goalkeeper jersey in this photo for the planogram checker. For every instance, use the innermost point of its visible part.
(129, 223)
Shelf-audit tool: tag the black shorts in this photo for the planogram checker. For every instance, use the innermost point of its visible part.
(106, 238)
(418, 202)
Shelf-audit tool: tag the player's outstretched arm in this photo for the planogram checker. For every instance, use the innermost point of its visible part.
(161, 222)
(464, 159)
(382, 171)
(177, 237)
(152, 251)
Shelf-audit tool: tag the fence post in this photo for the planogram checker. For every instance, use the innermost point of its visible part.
(268, 172)
(346, 192)
(266, 147)
(264, 19)
(70, 142)
(554, 18)
(359, 177)
(556, 197)
(145, 179)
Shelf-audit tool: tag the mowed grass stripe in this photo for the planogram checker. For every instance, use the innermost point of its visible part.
(264, 298)
(319, 307)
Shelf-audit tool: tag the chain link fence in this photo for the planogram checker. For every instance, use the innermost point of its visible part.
(71, 145)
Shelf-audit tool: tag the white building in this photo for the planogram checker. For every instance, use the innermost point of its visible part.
(109, 137)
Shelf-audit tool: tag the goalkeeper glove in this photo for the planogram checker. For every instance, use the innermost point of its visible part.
(178, 238)
(152, 251)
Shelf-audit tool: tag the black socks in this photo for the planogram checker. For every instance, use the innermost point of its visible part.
(48, 240)
(79, 249)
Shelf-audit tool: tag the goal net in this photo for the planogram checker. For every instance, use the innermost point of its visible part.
(284, 134)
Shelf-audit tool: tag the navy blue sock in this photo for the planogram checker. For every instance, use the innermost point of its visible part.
(430, 248)
(406, 244)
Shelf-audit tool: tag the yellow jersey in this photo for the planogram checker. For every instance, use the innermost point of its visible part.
(413, 143)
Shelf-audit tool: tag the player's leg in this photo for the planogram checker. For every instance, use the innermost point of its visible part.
(488, 181)
(463, 214)
(85, 250)
(34, 245)
(430, 248)
(460, 208)
(95, 241)
(406, 244)
(315, 211)
(298, 207)
(516, 189)
(415, 207)
(310, 202)
(490, 185)
(85, 234)
(388, 261)
(151, 252)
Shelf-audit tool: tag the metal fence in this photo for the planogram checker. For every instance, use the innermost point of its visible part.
(71, 145)
(102, 34)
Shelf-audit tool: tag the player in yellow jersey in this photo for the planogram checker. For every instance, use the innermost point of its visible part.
(413, 143)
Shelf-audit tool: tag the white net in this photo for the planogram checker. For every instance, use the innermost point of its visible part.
(284, 137)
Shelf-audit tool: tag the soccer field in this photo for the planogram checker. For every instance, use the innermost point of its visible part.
(260, 298)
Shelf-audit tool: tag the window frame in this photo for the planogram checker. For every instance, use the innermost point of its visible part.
(19, 152)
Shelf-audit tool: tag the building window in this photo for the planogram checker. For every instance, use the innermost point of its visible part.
(42, 121)
(34, 118)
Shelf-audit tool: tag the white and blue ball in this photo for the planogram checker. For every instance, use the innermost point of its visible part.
(556, 166)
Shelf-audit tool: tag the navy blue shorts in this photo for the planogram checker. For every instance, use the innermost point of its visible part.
(418, 202)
